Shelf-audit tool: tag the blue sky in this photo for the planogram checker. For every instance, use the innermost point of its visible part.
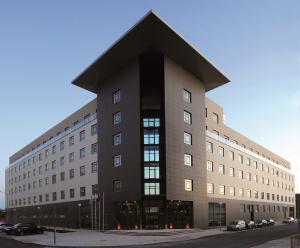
(45, 44)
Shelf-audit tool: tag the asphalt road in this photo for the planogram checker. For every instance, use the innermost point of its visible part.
(242, 239)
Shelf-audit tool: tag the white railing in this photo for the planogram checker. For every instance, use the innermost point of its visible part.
(56, 138)
(243, 149)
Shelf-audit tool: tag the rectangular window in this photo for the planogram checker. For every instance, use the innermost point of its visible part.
(240, 158)
(71, 157)
(241, 193)
(117, 186)
(46, 181)
(151, 172)
(151, 136)
(210, 188)
(231, 191)
(71, 173)
(248, 193)
(82, 191)
(215, 118)
(62, 195)
(82, 153)
(248, 161)
(117, 160)
(187, 117)
(188, 185)
(47, 153)
(221, 189)
(116, 96)
(151, 122)
(72, 193)
(117, 118)
(117, 139)
(187, 138)
(54, 196)
(248, 176)
(53, 164)
(151, 188)
(94, 148)
(82, 135)
(53, 149)
(82, 170)
(62, 176)
(151, 154)
(187, 96)
(62, 145)
(231, 155)
(209, 147)
(231, 171)
(221, 151)
(241, 174)
(221, 169)
(188, 160)
(53, 179)
(209, 165)
(94, 167)
(71, 140)
(93, 129)
(94, 189)
(62, 161)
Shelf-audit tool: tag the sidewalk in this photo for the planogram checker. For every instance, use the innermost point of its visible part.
(117, 238)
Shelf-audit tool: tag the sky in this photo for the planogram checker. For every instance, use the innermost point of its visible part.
(44, 45)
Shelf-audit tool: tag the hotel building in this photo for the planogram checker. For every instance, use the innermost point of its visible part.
(153, 143)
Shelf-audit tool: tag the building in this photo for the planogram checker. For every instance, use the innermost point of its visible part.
(297, 196)
(165, 156)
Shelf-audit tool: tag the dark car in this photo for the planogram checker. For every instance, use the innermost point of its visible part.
(250, 225)
(3, 226)
(261, 223)
(24, 228)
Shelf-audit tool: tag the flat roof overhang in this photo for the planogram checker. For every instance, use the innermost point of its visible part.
(151, 32)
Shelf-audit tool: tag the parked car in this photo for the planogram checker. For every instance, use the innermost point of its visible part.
(271, 222)
(250, 225)
(236, 225)
(3, 226)
(24, 228)
(289, 220)
(261, 223)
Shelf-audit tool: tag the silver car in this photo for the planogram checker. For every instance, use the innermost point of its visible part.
(236, 225)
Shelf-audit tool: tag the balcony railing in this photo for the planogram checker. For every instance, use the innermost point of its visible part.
(56, 138)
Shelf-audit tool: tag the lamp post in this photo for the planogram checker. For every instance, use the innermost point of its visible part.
(39, 215)
(79, 215)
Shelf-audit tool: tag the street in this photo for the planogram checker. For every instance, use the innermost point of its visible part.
(248, 238)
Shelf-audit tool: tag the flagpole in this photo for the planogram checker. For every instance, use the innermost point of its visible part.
(92, 212)
(95, 215)
(103, 209)
(99, 200)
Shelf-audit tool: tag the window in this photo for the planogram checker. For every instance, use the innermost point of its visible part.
(240, 158)
(54, 196)
(221, 189)
(72, 193)
(151, 122)
(231, 155)
(62, 145)
(82, 191)
(210, 188)
(117, 96)
(40, 158)
(47, 153)
(188, 160)
(248, 176)
(71, 157)
(62, 176)
(82, 135)
(117, 118)
(187, 96)
(221, 169)
(241, 174)
(241, 193)
(82, 170)
(231, 191)
(117, 160)
(94, 167)
(209, 147)
(53, 179)
(187, 138)
(82, 153)
(62, 160)
(231, 171)
(221, 151)
(117, 139)
(187, 117)
(94, 148)
(62, 195)
(46, 181)
(209, 165)
(53, 149)
(71, 173)
(215, 118)
(151, 136)
(248, 161)
(71, 140)
(117, 186)
(248, 193)
(53, 164)
(93, 129)
(94, 189)
(151, 154)
(40, 183)
(151, 188)
(151, 172)
(188, 185)
(47, 197)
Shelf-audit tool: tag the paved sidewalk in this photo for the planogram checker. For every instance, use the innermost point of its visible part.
(117, 238)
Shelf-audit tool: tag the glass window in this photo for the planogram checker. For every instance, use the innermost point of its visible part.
(241, 174)
(82, 191)
(231, 155)
(221, 151)
(93, 129)
(151, 188)
(82, 170)
(116, 96)
(62, 145)
(94, 189)
(82, 135)
(187, 117)
(117, 185)
(209, 147)
(62, 176)
(94, 167)
(248, 161)
(53, 164)
(117, 160)
(240, 158)
(151, 136)
(71, 173)
(54, 196)
(53, 179)
(151, 172)
(241, 193)
(117, 118)
(215, 118)
(188, 185)
(53, 149)
(221, 189)
(188, 160)
(94, 148)
(151, 122)
(117, 138)
(231, 171)
(71, 157)
(248, 193)
(210, 188)
(82, 153)
(187, 97)
(221, 169)
(231, 191)
(71, 140)
(187, 138)
(62, 160)
(62, 195)
(72, 193)
(209, 165)
(151, 153)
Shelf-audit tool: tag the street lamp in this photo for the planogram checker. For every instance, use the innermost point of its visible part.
(39, 215)
(79, 215)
